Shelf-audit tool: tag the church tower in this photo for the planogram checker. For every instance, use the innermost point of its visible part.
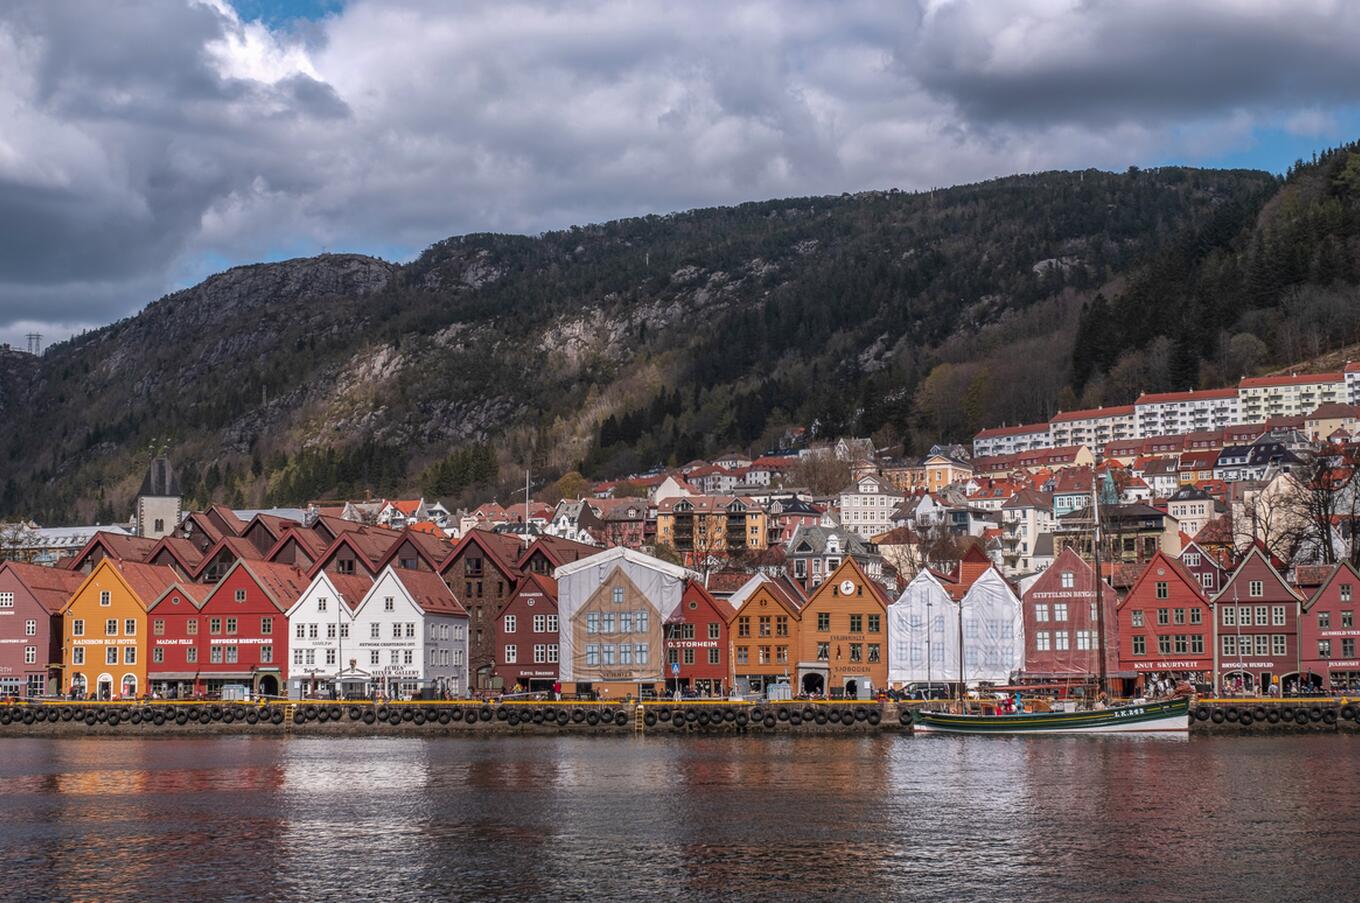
(158, 502)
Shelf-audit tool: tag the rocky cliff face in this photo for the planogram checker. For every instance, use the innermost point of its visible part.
(760, 315)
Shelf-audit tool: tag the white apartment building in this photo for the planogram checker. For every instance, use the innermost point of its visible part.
(1351, 375)
(1262, 397)
(1093, 427)
(867, 507)
(1007, 440)
(1176, 413)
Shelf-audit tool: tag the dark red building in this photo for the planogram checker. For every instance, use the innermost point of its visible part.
(527, 636)
(1258, 628)
(482, 574)
(1329, 635)
(1062, 637)
(172, 668)
(1204, 566)
(696, 643)
(1166, 627)
(31, 600)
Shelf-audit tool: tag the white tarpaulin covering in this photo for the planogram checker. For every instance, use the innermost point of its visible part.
(993, 631)
(923, 602)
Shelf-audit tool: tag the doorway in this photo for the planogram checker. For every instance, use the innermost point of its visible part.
(104, 688)
(813, 684)
(268, 686)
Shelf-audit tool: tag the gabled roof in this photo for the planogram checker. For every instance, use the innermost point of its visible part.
(1254, 553)
(273, 524)
(433, 549)
(239, 547)
(502, 549)
(145, 581)
(695, 591)
(369, 546)
(557, 550)
(305, 537)
(185, 553)
(429, 591)
(51, 587)
(540, 582)
(1343, 569)
(282, 583)
(228, 518)
(1173, 566)
(196, 593)
(120, 546)
(777, 590)
(622, 553)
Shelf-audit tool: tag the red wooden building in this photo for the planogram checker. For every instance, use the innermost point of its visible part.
(1166, 627)
(1205, 567)
(1062, 637)
(31, 600)
(1258, 628)
(696, 643)
(527, 636)
(172, 668)
(1329, 635)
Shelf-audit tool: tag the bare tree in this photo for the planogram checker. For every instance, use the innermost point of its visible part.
(17, 541)
(1327, 496)
(822, 474)
(1272, 514)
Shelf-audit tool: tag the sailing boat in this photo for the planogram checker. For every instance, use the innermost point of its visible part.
(1157, 715)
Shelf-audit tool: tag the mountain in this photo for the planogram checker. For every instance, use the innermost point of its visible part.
(911, 317)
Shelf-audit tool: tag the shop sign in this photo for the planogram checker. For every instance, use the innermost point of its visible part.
(1239, 666)
(1188, 664)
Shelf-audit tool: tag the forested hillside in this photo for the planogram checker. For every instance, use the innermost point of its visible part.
(912, 317)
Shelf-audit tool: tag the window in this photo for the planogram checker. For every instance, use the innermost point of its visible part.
(105, 600)
(1348, 648)
(552, 653)
(713, 657)
(231, 654)
(31, 627)
(396, 631)
(823, 652)
(592, 654)
(1277, 615)
(6, 600)
(1163, 616)
(373, 657)
(617, 595)
(823, 620)
(1324, 619)
(30, 655)
(1262, 644)
(1278, 644)
(1230, 616)
(626, 624)
(375, 631)
(129, 655)
(1178, 616)
(330, 631)
(158, 654)
(240, 595)
(1137, 617)
(321, 604)
(552, 623)
(715, 629)
(857, 623)
(744, 626)
(510, 623)
(743, 655)
(1140, 645)
(1163, 589)
(1345, 592)
(1192, 559)
(1084, 640)
(1347, 619)
(111, 627)
(1206, 579)
(1068, 579)
(1164, 644)
(1043, 640)
(1256, 589)
(266, 654)
(215, 626)
(266, 626)
(540, 653)
(1262, 615)
(389, 603)
(231, 626)
(540, 623)
(78, 627)
(301, 631)
(410, 629)
(856, 652)
(1197, 644)
(1196, 616)
(215, 655)
(1182, 643)
(78, 655)
(511, 654)
(1060, 611)
(689, 655)
(191, 655)
(1061, 640)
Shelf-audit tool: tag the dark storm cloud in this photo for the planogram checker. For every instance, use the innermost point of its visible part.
(145, 141)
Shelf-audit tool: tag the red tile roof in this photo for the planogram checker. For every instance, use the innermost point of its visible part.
(148, 581)
(52, 587)
(1195, 395)
(1293, 379)
(430, 592)
(1094, 413)
(1020, 430)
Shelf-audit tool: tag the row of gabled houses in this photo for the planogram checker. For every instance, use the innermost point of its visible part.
(618, 622)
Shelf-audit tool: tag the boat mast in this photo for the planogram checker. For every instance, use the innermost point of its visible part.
(1100, 579)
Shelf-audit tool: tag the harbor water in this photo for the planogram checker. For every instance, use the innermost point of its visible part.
(879, 817)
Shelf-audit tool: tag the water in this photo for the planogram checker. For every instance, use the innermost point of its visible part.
(854, 818)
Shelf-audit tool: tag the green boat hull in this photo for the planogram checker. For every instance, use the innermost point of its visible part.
(1168, 715)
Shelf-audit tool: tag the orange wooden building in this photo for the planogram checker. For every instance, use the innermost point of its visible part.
(104, 642)
(843, 636)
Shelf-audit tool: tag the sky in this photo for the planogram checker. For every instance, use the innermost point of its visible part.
(145, 144)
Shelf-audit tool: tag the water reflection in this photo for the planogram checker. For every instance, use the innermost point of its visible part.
(858, 818)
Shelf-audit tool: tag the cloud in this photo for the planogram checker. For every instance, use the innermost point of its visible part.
(147, 141)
